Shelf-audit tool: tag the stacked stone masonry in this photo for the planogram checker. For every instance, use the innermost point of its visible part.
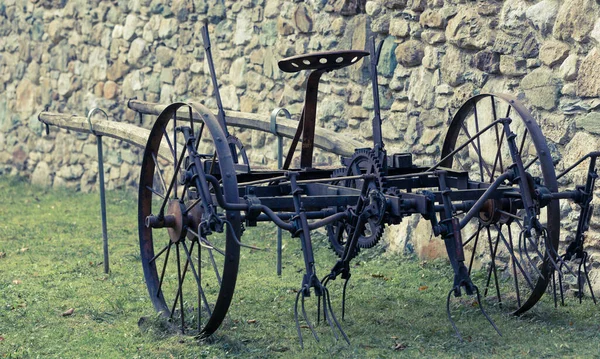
(73, 55)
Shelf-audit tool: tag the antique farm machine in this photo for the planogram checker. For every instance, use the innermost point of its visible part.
(494, 194)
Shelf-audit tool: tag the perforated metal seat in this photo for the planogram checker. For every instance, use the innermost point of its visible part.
(327, 60)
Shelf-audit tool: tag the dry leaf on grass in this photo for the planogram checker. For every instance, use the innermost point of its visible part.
(400, 346)
(17, 282)
(24, 249)
(68, 312)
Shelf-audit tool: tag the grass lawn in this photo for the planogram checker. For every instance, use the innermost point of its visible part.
(51, 261)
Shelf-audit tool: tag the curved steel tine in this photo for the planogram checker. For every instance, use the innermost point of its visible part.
(579, 283)
(310, 326)
(522, 235)
(324, 282)
(344, 298)
(560, 285)
(450, 316)
(296, 319)
(337, 323)
(554, 289)
(553, 253)
(325, 309)
(587, 277)
(484, 312)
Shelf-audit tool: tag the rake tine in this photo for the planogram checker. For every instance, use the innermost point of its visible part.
(587, 277)
(562, 294)
(450, 316)
(324, 281)
(554, 289)
(296, 319)
(483, 311)
(325, 311)
(310, 326)
(344, 298)
(337, 323)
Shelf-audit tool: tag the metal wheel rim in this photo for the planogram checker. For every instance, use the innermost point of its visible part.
(548, 175)
(229, 188)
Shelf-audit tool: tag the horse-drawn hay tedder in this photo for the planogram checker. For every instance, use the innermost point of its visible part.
(494, 194)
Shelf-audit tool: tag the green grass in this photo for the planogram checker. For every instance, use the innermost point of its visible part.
(51, 261)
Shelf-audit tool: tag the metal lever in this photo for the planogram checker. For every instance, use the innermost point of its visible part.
(101, 180)
(273, 129)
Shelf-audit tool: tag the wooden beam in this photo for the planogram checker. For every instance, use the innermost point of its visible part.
(325, 139)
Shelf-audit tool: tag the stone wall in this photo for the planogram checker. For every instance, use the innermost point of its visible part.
(75, 55)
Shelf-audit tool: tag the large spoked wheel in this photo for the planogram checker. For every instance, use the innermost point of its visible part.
(189, 245)
(516, 265)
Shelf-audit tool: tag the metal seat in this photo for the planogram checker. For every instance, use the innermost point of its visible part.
(327, 61)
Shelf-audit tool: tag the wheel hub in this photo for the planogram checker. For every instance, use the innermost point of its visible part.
(497, 211)
(178, 231)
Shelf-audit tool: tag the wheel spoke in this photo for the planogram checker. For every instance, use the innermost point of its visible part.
(161, 252)
(162, 274)
(197, 277)
(478, 141)
(154, 191)
(482, 163)
(169, 143)
(160, 173)
(474, 246)
(515, 260)
(514, 267)
(498, 157)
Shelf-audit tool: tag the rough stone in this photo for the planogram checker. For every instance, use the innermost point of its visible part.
(553, 52)
(467, 30)
(399, 27)
(110, 90)
(168, 27)
(575, 19)
(137, 50)
(541, 88)
(568, 69)
(284, 28)
(373, 8)
(164, 55)
(512, 66)
(244, 29)
(579, 146)
(453, 68)
(432, 19)
(117, 70)
(543, 15)
(588, 78)
(595, 34)
(512, 16)
(487, 61)
(410, 53)
(303, 19)
(433, 37)
(387, 59)
(589, 122)
(237, 72)
(64, 84)
(131, 22)
(41, 175)
(25, 97)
